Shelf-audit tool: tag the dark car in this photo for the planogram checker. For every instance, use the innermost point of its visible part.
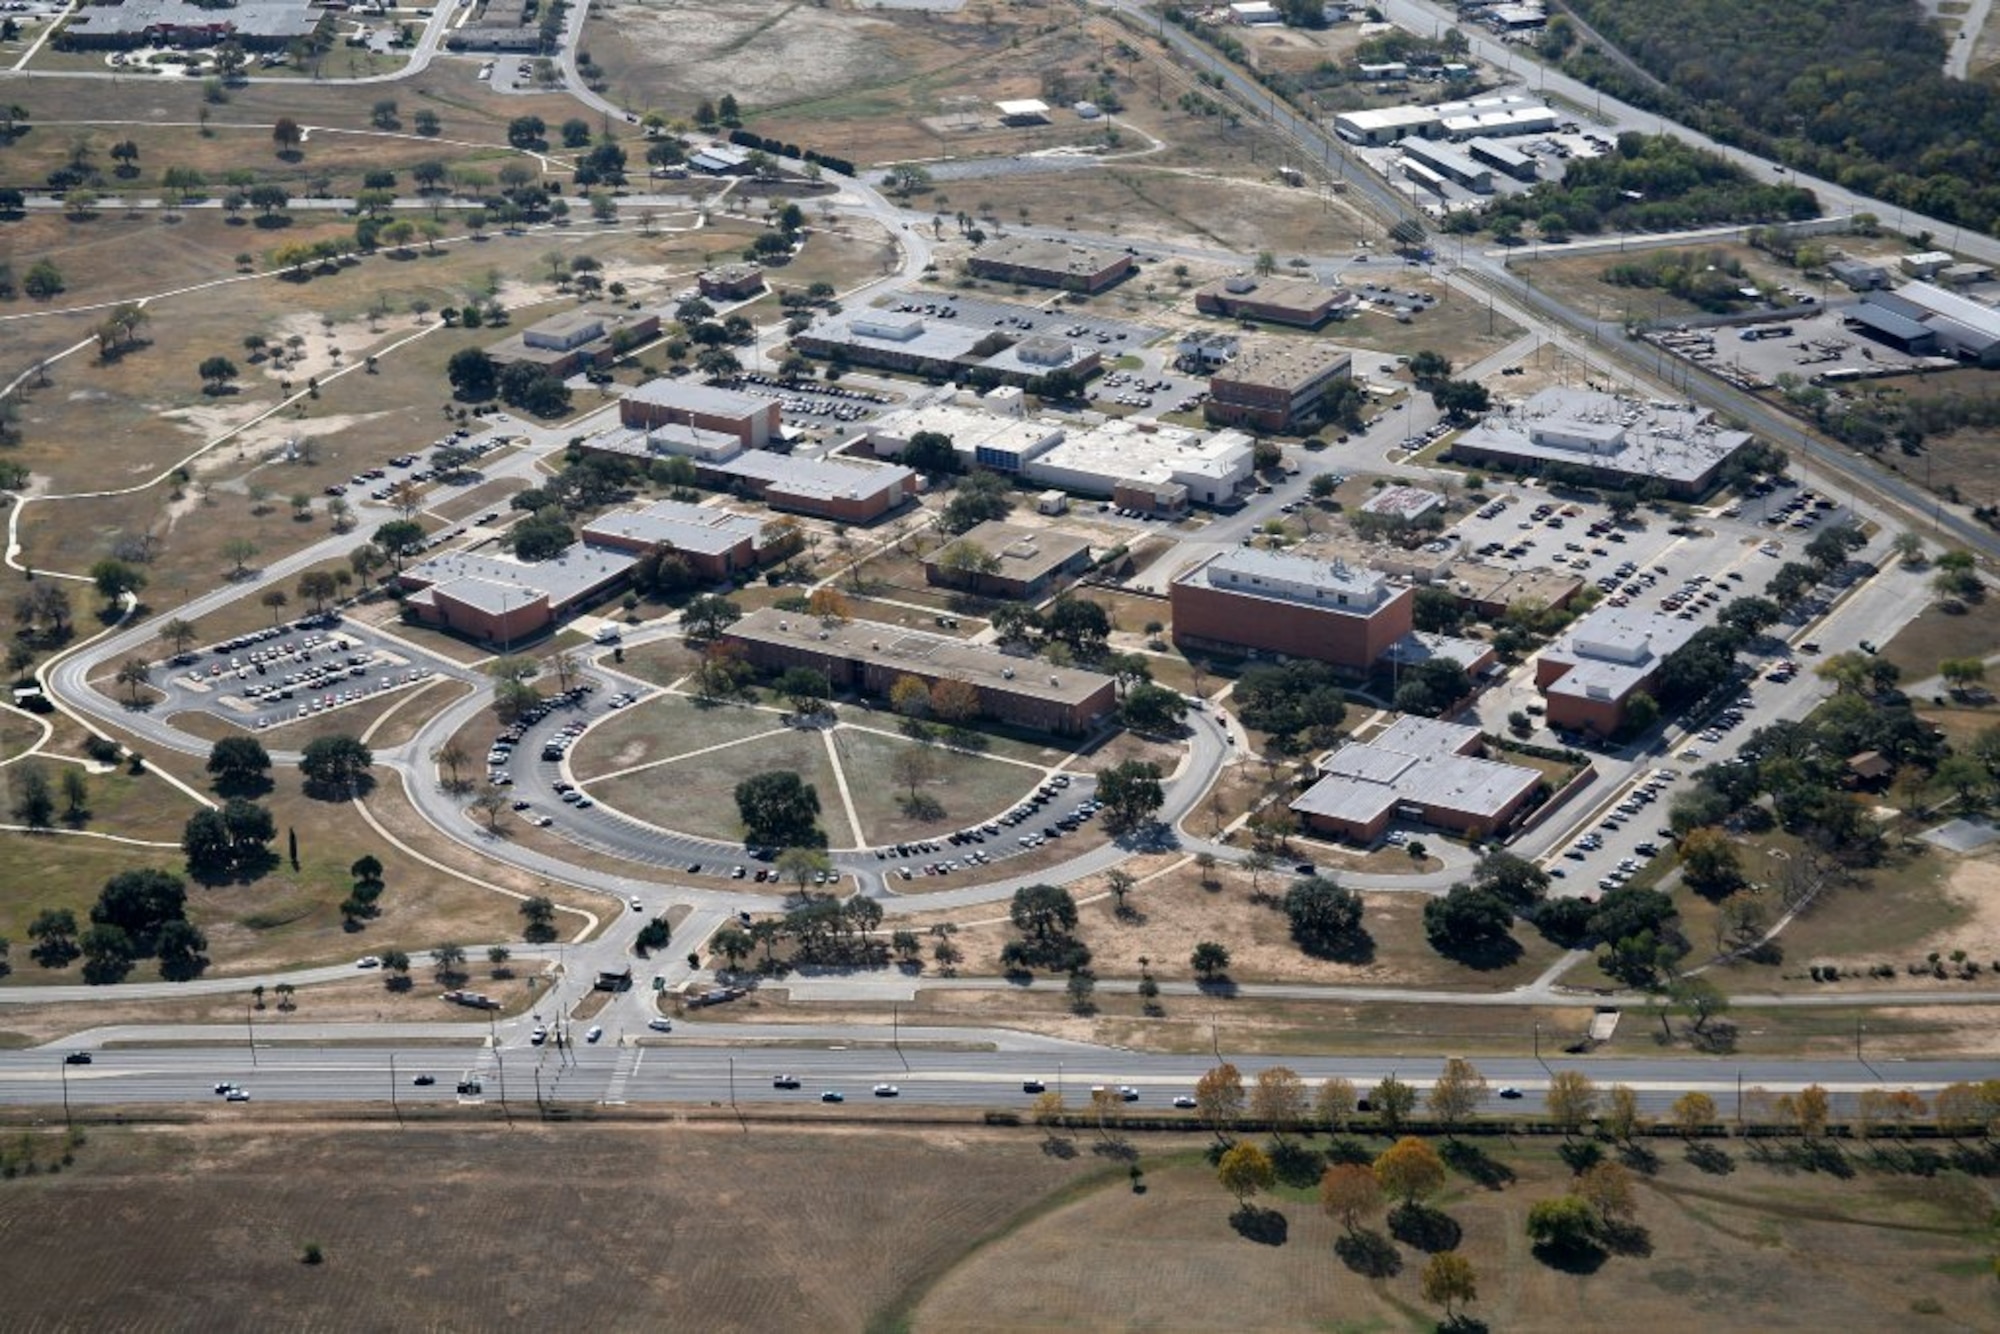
(832, 1096)
(1033, 1086)
(77, 1058)
(424, 1081)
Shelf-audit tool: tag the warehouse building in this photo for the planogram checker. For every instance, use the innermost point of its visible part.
(1277, 387)
(1450, 163)
(1617, 441)
(1250, 600)
(870, 657)
(567, 343)
(980, 438)
(1504, 157)
(1038, 263)
(754, 421)
(1295, 301)
(1147, 465)
(1379, 126)
(1419, 771)
(1590, 674)
(1924, 320)
(1015, 562)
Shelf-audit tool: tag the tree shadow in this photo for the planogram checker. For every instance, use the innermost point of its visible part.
(1481, 955)
(1472, 1161)
(1296, 1165)
(1266, 1227)
(1584, 1257)
(1982, 1160)
(1368, 1253)
(1580, 1155)
(1118, 1150)
(1059, 1147)
(1821, 1155)
(1425, 1229)
(1355, 947)
(249, 787)
(1622, 1237)
(1706, 1157)
(1640, 1158)
(1345, 1149)
(1462, 1324)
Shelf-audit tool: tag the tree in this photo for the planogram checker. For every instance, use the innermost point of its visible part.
(538, 915)
(134, 672)
(239, 764)
(1409, 1170)
(706, 617)
(1334, 1103)
(287, 135)
(1084, 626)
(1456, 1095)
(1516, 881)
(107, 954)
(1209, 960)
(1043, 912)
(1565, 1224)
(806, 689)
(447, 961)
(399, 539)
(34, 801)
(138, 903)
(54, 932)
(317, 587)
(1572, 1098)
(802, 866)
(1693, 1113)
(733, 944)
(205, 844)
(216, 373)
(954, 701)
(1325, 918)
(1466, 920)
(1449, 1281)
(1278, 1099)
(179, 633)
(336, 767)
(116, 578)
(910, 697)
(778, 808)
(1709, 863)
(179, 948)
(1131, 792)
(1244, 1170)
(474, 376)
(1607, 1189)
(1698, 998)
(1153, 709)
(1347, 1191)
(1393, 1101)
(1218, 1099)
(912, 767)
(1460, 400)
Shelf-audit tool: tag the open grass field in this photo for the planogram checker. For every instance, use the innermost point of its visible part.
(1755, 1247)
(510, 1227)
(664, 728)
(969, 788)
(698, 796)
(1935, 635)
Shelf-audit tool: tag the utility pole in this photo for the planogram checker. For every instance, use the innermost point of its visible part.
(392, 1089)
(250, 1025)
(65, 1090)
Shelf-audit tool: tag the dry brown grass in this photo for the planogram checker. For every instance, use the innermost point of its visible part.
(1758, 1249)
(858, 1218)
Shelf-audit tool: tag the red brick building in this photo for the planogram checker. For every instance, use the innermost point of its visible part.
(1274, 602)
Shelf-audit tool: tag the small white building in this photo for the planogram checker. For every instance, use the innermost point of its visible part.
(1256, 14)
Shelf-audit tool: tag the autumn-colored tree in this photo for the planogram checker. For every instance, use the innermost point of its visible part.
(1621, 1118)
(1279, 1100)
(1049, 1109)
(1572, 1098)
(1347, 1191)
(1459, 1090)
(1218, 1098)
(910, 697)
(1410, 1169)
(830, 605)
(1244, 1170)
(1807, 1109)
(1393, 1100)
(1335, 1103)
(1960, 1108)
(955, 701)
(1693, 1113)
(1607, 1188)
(1449, 1281)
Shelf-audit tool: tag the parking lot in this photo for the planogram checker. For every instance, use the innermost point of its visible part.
(810, 404)
(1053, 318)
(294, 671)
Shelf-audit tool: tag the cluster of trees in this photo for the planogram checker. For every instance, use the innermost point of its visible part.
(476, 378)
(812, 157)
(779, 809)
(1069, 629)
(1648, 183)
(363, 897)
(1852, 91)
(1045, 915)
(1872, 417)
(978, 497)
(1710, 279)
(822, 930)
(231, 843)
(138, 915)
(1300, 704)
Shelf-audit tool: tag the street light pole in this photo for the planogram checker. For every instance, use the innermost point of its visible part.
(732, 1082)
(65, 1090)
(393, 1103)
(250, 1027)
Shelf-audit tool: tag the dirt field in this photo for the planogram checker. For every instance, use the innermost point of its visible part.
(613, 1227)
(1752, 1249)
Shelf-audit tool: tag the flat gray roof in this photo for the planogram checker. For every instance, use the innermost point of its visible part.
(1640, 438)
(1613, 648)
(1024, 553)
(825, 478)
(681, 526)
(692, 396)
(256, 18)
(1415, 761)
(488, 581)
(1300, 580)
(934, 655)
(1289, 366)
(1033, 252)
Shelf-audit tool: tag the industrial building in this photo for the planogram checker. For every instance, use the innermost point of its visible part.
(1039, 263)
(754, 421)
(871, 656)
(255, 25)
(567, 343)
(942, 349)
(1504, 115)
(1619, 442)
(716, 543)
(1451, 163)
(1023, 111)
(1504, 157)
(1276, 387)
(1295, 301)
(842, 490)
(1590, 674)
(1251, 600)
(1923, 319)
(1421, 771)
(1203, 349)
(1019, 563)
(1378, 126)
(1407, 504)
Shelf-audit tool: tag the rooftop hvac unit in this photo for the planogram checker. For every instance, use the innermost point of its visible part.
(1239, 283)
(824, 635)
(1053, 680)
(1007, 673)
(784, 625)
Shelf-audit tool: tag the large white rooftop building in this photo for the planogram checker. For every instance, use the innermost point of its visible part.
(1622, 441)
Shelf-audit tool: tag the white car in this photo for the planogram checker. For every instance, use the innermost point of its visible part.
(237, 1095)
(661, 1025)
(594, 1032)
(539, 1036)
(886, 1091)
(367, 961)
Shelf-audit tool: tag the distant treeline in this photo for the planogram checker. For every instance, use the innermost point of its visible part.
(1851, 90)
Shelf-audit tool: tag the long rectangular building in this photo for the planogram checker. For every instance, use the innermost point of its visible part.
(871, 656)
(1040, 263)
(754, 421)
(1296, 301)
(1277, 387)
(1617, 441)
(1590, 674)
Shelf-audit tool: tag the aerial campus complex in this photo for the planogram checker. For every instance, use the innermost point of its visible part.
(1019, 656)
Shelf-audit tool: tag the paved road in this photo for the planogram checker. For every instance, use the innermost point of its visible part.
(672, 1071)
